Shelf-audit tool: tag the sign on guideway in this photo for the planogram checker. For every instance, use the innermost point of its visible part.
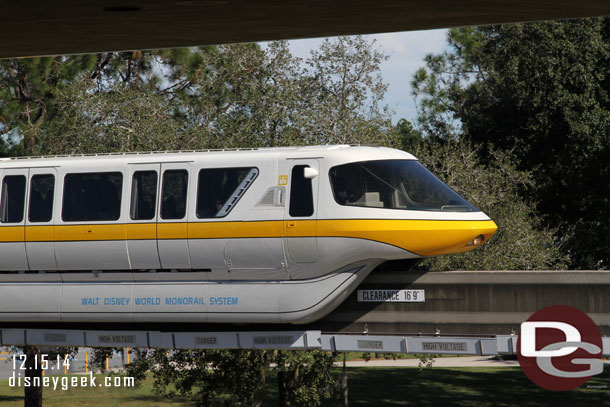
(308, 339)
(376, 295)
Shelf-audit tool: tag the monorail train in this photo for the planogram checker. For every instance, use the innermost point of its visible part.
(278, 235)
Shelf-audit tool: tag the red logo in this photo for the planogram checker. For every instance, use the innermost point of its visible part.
(560, 348)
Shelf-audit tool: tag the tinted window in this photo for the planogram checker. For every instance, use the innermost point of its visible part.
(394, 184)
(143, 195)
(92, 197)
(301, 193)
(13, 199)
(42, 188)
(173, 200)
(221, 188)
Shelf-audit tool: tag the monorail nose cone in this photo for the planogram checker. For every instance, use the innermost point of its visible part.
(456, 236)
(482, 238)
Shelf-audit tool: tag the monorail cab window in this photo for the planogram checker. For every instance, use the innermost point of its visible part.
(12, 199)
(301, 193)
(394, 184)
(92, 197)
(219, 190)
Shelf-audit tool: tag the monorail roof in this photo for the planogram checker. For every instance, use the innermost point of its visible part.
(369, 152)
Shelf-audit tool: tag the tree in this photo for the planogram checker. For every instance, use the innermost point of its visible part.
(493, 185)
(539, 90)
(121, 119)
(34, 369)
(225, 97)
(237, 377)
(99, 356)
(410, 137)
(342, 92)
(304, 377)
(209, 377)
(27, 88)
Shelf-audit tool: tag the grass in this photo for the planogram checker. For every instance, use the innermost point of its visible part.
(88, 396)
(476, 387)
(369, 386)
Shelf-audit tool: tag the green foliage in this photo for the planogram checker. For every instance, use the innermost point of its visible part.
(304, 377)
(488, 179)
(539, 90)
(211, 377)
(27, 90)
(230, 96)
(140, 366)
(124, 119)
(4, 148)
(98, 357)
(410, 138)
(426, 361)
(237, 377)
(62, 352)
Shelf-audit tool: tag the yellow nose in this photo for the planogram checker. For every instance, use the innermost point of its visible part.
(422, 237)
(458, 238)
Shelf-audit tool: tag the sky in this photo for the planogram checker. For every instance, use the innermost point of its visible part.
(406, 51)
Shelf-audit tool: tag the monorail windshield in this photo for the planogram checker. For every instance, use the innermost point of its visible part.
(394, 184)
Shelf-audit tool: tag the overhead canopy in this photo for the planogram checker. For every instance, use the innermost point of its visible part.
(43, 27)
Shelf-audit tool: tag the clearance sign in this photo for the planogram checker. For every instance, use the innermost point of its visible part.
(377, 295)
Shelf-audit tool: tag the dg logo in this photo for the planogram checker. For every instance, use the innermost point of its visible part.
(560, 348)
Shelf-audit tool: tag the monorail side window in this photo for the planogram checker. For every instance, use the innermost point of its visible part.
(12, 200)
(220, 189)
(173, 198)
(301, 193)
(92, 197)
(42, 188)
(143, 195)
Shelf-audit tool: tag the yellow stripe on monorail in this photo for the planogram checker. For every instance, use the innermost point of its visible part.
(228, 230)
(423, 237)
(12, 234)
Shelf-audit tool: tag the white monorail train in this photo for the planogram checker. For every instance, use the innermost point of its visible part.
(259, 236)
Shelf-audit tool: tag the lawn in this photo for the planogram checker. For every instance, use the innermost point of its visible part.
(476, 387)
(370, 386)
(88, 396)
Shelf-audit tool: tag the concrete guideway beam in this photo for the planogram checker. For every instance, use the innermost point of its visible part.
(39, 27)
(284, 340)
(468, 302)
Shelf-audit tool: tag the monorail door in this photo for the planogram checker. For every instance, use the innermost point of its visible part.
(172, 226)
(144, 184)
(89, 221)
(39, 231)
(300, 216)
(13, 192)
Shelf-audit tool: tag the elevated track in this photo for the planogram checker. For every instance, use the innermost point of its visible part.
(457, 312)
(470, 302)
